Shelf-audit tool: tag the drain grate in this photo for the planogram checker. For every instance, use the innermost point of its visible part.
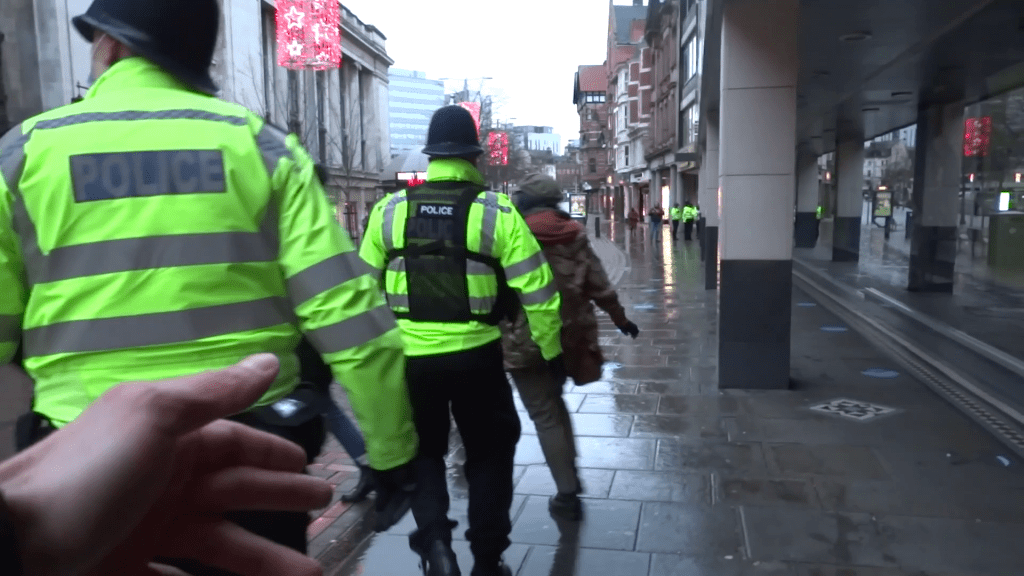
(967, 401)
(853, 409)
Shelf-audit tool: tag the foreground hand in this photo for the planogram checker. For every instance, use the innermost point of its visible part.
(630, 329)
(149, 469)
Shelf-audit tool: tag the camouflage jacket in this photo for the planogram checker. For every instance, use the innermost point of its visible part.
(582, 282)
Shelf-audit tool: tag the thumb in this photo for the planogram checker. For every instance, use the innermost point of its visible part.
(188, 403)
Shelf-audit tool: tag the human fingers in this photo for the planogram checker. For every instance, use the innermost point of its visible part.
(185, 404)
(225, 545)
(244, 488)
(224, 443)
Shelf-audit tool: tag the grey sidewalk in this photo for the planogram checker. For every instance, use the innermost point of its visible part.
(684, 480)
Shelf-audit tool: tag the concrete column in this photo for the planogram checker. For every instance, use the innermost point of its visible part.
(709, 206)
(654, 191)
(849, 199)
(675, 189)
(757, 162)
(807, 200)
(935, 198)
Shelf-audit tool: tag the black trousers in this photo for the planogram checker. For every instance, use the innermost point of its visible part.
(473, 385)
(688, 230)
(675, 229)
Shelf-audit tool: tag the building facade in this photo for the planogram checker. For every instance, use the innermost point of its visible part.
(537, 138)
(412, 99)
(340, 115)
(630, 89)
(590, 90)
(662, 39)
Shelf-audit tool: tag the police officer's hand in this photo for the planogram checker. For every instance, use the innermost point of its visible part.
(395, 488)
(149, 469)
(557, 367)
(630, 329)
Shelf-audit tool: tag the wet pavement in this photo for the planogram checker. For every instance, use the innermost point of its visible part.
(987, 303)
(857, 470)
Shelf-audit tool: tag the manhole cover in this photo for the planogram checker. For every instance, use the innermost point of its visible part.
(853, 409)
(834, 329)
(880, 373)
(806, 304)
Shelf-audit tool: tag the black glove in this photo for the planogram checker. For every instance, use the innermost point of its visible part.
(557, 367)
(395, 488)
(630, 328)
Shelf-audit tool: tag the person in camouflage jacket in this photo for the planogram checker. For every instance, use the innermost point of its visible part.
(582, 282)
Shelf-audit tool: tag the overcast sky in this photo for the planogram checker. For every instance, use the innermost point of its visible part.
(531, 49)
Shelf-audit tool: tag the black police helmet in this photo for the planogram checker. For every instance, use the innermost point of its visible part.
(452, 133)
(177, 35)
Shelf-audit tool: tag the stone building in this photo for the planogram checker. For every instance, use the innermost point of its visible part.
(341, 115)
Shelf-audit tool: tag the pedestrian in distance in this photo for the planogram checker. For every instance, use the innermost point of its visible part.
(582, 282)
(455, 257)
(633, 220)
(655, 215)
(151, 231)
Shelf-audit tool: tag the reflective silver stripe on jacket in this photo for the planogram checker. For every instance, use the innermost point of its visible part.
(132, 115)
(354, 331)
(388, 223)
(488, 227)
(540, 295)
(482, 304)
(10, 327)
(526, 266)
(397, 265)
(272, 143)
(156, 329)
(321, 277)
(12, 156)
(151, 252)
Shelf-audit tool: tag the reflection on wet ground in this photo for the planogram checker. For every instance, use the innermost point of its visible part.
(987, 303)
(844, 474)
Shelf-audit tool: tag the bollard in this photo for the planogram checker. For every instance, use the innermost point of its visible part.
(597, 226)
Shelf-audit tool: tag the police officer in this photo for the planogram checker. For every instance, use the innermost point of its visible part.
(689, 218)
(151, 231)
(453, 255)
(676, 213)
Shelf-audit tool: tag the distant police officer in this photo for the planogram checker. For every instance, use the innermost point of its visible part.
(152, 231)
(689, 219)
(450, 251)
(676, 213)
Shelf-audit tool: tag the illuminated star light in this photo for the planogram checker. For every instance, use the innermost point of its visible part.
(294, 18)
(294, 49)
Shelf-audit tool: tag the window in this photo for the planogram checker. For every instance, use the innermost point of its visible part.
(592, 165)
(627, 155)
(688, 123)
(690, 58)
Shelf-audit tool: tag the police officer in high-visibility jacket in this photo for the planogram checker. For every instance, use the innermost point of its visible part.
(152, 231)
(689, 219)
(454, 258)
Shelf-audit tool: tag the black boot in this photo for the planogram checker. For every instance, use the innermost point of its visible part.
(499, 569)
(439, 560)
(363, 487)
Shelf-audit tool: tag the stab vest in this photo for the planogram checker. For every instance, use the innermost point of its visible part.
(436, 257)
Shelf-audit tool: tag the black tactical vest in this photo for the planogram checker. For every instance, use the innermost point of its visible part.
(436, 255)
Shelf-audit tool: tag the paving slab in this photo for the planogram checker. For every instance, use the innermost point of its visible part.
(683, 479)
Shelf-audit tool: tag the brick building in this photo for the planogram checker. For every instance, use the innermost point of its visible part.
(662, 39)
(629, 68)
(589, 95)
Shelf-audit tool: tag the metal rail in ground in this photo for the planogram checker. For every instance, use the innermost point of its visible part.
(995, 415)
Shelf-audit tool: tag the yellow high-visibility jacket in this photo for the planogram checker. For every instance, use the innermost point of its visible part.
(494, 229)
(149, 232)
